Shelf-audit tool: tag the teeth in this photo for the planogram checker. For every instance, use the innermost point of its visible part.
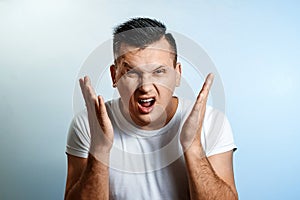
(146, 100)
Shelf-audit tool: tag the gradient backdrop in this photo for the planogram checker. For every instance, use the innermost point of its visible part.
(255, 46)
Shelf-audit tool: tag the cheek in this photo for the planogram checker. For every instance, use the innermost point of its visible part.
(126, 89)
(167, 84)
(166, 93)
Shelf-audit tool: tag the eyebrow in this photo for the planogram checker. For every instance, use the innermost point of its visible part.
(161, 66)
(127, 65)
(130, 67)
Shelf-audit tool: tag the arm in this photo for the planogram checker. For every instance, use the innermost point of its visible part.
(209, 178)
(89, 178)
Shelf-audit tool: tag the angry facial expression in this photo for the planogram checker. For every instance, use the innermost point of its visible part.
(146, 79)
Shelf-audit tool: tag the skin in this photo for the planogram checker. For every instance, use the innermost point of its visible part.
(137, 75)
(212, 177)
(144, 73)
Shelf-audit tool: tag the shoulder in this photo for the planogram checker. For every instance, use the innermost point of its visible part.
(212, 115)
(80, 119)
(215, 117)
(79, 135)
(217, 132)
(78, 140)
(217, 136)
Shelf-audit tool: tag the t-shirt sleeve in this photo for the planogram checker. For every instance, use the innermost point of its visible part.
(78, 140)
(218, 137)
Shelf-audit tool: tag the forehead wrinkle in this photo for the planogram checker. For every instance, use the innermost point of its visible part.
(147, 55)
(161, 44)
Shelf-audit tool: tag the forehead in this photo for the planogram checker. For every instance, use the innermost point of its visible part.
(157, 53)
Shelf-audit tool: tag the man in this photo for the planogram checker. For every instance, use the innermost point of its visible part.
(148, 144)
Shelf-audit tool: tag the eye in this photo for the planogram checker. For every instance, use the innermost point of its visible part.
(131, 72)
(160, 71)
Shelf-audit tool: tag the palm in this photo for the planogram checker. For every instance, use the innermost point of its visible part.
(191, 130)
(100, 125)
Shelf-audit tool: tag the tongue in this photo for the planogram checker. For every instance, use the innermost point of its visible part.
(146, 104)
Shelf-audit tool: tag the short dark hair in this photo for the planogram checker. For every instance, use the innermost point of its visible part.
(140, 32)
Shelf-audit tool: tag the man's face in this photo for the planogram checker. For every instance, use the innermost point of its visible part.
(146, 79)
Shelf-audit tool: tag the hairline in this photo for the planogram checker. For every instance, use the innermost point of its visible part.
(171, 50)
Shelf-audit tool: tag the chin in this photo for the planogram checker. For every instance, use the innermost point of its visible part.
(156, 119)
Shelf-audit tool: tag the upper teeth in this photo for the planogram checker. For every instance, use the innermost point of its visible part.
(146, 100)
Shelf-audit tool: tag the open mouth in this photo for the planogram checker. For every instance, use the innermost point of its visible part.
(146, 105)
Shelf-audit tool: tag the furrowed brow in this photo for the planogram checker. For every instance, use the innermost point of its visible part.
(127, 65)
(159, 67)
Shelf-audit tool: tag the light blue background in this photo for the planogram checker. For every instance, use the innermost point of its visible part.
(255, 46)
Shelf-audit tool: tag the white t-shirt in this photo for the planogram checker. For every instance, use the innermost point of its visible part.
(149, 164)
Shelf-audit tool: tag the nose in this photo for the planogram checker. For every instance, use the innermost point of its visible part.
(145, 83)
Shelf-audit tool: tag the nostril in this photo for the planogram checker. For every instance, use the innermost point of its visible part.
(145, 87)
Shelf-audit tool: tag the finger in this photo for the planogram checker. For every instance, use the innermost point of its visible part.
(88, 92)
(206, 86)
(81, 83)
(203, 94)
(102, 115)
(200, 104)
(89, 88)
(87, 80)
(83, 89)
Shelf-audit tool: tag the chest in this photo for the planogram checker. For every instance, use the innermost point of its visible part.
(167, 183)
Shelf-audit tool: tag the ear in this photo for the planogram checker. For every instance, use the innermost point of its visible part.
(113, 72)
(178, 73)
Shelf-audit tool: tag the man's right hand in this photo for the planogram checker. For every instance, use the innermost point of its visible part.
(100, 125)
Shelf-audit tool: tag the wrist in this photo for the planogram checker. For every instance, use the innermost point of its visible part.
(100, 153)
(195, 150)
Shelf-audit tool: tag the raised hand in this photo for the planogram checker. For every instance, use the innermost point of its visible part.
(100, 125)
(190, 136)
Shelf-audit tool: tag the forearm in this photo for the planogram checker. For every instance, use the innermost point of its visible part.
(204, 183)
(94, 182)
